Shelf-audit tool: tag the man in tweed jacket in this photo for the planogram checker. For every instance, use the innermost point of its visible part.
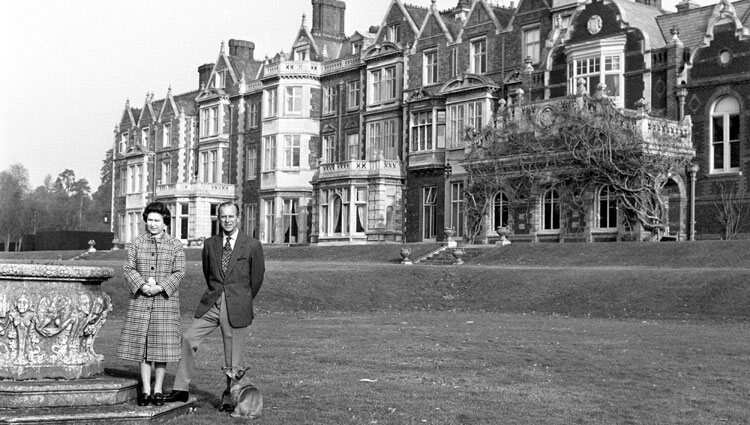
(233, 280)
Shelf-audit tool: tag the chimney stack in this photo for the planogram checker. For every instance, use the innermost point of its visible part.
(242, 49)
(204, 73)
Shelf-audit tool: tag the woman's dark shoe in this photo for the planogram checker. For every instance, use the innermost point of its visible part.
(144, 399)
(158, 399)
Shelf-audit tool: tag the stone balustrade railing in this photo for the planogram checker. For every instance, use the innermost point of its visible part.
(361, 168)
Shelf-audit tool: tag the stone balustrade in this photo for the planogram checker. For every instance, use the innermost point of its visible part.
(361, 168)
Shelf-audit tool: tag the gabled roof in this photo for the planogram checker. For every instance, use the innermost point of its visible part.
(148, 114)
(693, 24)
(414, 16)
(128, 115)
(522, 8)
(480, 6)
(434, 14)
(168, 106)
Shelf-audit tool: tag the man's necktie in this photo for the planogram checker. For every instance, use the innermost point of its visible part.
(225, 254)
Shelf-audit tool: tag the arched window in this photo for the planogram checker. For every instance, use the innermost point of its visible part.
(551, 210)
(606, 208)
(725, 135)
(500, 211)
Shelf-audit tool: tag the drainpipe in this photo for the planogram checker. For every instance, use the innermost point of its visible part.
(693, 177)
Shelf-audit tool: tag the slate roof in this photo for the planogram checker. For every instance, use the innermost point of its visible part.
(643, 17)
(186, 101)
(693, 23)
(417, 13)
(503, 15)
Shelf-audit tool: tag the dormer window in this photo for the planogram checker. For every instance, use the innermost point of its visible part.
(392, 33)
(166, 140)
(219, 80)
(356, 48)
(123, 142)
(300, 55)
(144, 136)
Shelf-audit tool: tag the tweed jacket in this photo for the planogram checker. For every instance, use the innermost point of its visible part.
(151, 329)
(242, 281)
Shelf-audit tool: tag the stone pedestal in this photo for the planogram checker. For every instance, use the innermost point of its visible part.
(50, 316)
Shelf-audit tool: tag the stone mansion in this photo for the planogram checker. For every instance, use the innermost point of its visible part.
(360, 138)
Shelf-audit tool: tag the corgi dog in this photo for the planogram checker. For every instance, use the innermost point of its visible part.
(247, 398)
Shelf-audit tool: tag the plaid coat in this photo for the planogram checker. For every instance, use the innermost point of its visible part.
(151, 330)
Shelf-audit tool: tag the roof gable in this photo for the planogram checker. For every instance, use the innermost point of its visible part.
(128, 119)
(394, 11)
(168, 106)
(481, 13)
(434, 25)
(148, 115)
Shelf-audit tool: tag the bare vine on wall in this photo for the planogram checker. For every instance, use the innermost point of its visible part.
(575, 146)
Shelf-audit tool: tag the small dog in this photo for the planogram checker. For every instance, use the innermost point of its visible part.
(247, 398)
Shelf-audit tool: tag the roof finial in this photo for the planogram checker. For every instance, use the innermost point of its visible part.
(169, 90)
(304, 20)
(223, 50)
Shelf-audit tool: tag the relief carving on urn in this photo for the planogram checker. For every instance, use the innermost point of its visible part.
(51, 328)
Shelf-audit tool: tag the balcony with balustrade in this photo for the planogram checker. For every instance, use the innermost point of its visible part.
(360, 169)
(195, 189)
(287, 68)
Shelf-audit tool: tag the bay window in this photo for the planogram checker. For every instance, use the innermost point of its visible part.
(421, 131)
(269, 153)
(291, 150)
(293, 100)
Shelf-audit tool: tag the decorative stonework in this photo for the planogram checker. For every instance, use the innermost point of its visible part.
(49, 318)
(594, 24)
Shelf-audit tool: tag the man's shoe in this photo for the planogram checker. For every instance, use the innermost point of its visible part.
(158, 399)
(175, 395)
(226, 408)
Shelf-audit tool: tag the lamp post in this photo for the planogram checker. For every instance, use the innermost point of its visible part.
(693, 177)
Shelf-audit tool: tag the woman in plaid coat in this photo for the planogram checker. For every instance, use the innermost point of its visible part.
(151, 330)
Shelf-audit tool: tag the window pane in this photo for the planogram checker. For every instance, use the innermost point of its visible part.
(734, 127)
(718, 129)
(734, 154)
(718, 156)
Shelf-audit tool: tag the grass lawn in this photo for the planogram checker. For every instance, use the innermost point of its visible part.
(443, 367)
(539, 334)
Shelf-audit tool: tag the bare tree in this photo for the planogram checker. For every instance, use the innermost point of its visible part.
(731, 212)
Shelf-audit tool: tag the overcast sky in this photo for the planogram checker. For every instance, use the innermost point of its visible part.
(69, 65)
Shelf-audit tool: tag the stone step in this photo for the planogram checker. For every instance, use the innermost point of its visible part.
(99, 391)
(124, 413)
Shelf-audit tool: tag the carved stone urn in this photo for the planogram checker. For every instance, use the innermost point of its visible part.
(405, 253)
(450, 242)
(50, 316)
(503, 232)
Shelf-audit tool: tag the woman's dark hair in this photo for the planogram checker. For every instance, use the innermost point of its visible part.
(159, 208)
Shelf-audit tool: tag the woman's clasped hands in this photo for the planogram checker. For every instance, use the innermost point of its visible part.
(151, 288)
